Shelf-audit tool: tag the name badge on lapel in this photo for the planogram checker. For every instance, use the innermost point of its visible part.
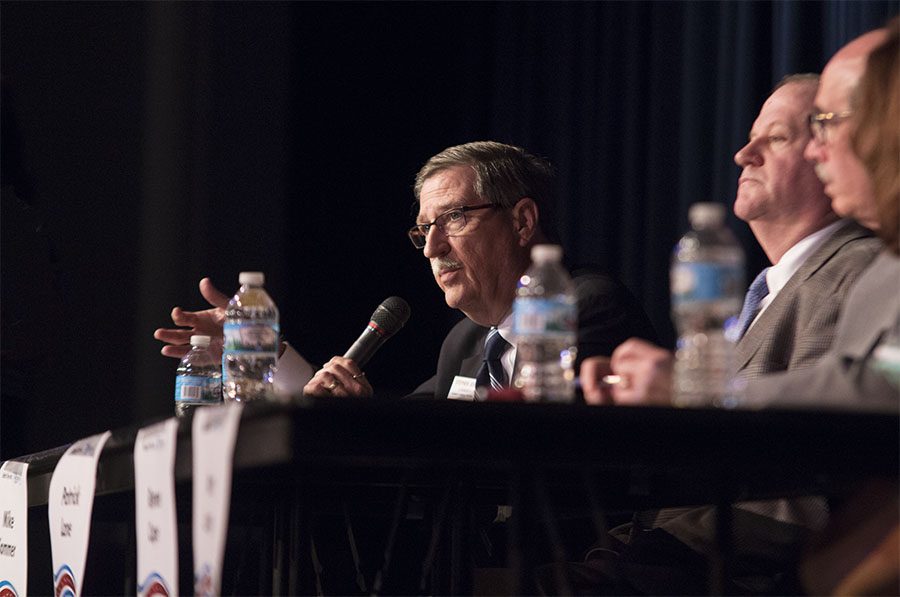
(463, 388)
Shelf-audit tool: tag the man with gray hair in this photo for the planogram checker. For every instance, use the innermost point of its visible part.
(482, 206)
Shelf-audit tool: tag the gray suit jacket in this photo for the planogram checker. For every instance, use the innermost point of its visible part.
(845, 377)
(796, 329)
(798, 326)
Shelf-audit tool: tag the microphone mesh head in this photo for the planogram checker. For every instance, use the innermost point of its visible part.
(390, 315)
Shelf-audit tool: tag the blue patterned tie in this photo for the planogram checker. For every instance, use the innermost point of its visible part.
(491, 373)
(755, 294)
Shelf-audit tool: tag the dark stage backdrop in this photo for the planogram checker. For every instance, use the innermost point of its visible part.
(146, 145)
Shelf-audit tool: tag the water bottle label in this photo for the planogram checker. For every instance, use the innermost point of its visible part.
(251, 337)
(551, 318)
(705, 282)
(193, 388)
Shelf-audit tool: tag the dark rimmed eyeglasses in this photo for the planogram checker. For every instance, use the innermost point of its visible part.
(819, 123)
(449, 223)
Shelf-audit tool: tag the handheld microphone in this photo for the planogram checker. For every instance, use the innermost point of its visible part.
(386, 321)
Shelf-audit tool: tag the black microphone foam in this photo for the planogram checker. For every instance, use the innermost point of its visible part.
(386, 321)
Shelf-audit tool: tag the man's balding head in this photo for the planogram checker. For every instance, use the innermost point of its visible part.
(845, 178)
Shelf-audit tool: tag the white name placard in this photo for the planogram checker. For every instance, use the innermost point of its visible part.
(69, 504)
(463, 388)
(156, 525)
(214, 433)
(13, 528)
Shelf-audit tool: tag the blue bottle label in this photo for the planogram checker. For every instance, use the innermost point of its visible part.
(251, 337)
(705, 282)
(548, 317)
(197, 389)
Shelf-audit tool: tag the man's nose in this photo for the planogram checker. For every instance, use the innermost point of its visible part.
(814, 151)
(436, 243)
(748, 155)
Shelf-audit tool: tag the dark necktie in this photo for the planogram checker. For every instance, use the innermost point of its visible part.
(491, 373)
(755, 294)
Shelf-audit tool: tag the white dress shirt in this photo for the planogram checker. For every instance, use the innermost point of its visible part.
(779, 274)
(508, 360)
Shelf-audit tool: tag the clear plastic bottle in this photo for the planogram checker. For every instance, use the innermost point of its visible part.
(198, 381)
(251, 342)
(707, 282)
(545, 316)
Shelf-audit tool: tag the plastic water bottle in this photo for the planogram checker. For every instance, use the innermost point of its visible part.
(198, 381)
(545, 316)
(251, 342)
(707, 279)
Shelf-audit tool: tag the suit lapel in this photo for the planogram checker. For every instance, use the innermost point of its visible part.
(470, 364)
(464, 359)
(762, 330)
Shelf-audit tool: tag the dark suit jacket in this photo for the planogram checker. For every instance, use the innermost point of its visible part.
(608, 314)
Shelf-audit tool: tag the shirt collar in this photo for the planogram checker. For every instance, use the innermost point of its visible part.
(779, 274)
(506, 328)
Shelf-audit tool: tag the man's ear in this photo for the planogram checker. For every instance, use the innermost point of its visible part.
(525, 219)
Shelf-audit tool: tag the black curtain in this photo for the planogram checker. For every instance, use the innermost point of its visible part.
(159, 142)
(643, 104)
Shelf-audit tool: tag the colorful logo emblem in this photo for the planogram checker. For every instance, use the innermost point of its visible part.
(203, 584)
(7, 589)
(154, 585)
(64, 582)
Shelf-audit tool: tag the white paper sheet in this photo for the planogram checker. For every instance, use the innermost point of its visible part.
(70, 500)
(214, 433)
(156, 525)
(13, 529)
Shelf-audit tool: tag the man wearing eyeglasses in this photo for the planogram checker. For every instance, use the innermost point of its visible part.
(482, 206)
(846, 376)
(843, 375)
(830, 149)
(849, 188)
(816, 257)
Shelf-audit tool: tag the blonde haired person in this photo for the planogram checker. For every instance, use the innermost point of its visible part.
(876, 139)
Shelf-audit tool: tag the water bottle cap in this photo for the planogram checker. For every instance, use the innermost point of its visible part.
(706, 214)
(252, 278)
(546, 253)
(200, 341)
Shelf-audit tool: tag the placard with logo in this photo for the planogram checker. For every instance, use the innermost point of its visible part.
(70, 500)
(214, 433)
(156, 525)
(13, 529)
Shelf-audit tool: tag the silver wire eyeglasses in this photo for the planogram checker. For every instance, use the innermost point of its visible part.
(819, 123)
(449, 223)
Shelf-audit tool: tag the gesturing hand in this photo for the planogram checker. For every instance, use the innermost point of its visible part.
(209, 322)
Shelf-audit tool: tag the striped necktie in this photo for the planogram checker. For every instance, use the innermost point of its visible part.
(755, 294)
(491, 373)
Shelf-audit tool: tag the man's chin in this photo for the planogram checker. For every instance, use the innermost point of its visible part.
(452, 299)
(841, 203)
(856, 208)
(748, 198)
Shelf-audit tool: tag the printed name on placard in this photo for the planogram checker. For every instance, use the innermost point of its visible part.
(70, 497)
